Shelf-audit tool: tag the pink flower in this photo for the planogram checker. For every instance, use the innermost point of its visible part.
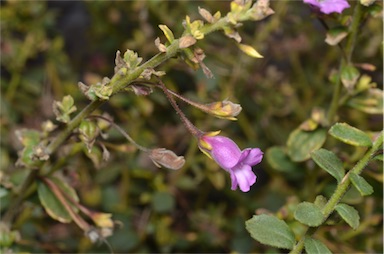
(229, 156)
(329, 6)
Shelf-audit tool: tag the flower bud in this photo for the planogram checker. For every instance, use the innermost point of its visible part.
(102, 220)
(166, 158)
(224, 109)
(88, 133)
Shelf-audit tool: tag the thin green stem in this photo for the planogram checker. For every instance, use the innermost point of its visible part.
(354, 28)
(124, 133)
(61, 137)
(325, 25)
(341, 190)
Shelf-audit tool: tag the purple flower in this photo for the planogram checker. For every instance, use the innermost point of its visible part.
(329, 6)
(229, 156)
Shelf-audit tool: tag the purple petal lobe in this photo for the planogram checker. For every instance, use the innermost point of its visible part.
(329, 6)
(244, 178)
(251, 156)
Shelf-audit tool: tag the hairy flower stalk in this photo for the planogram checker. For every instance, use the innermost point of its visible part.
(224, 151)
(221, 109)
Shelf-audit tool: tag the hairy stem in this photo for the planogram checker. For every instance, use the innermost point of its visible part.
(341, 190)
(347, 60)
(191, 128)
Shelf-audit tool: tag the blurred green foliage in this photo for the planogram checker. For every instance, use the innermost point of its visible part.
(46, 47)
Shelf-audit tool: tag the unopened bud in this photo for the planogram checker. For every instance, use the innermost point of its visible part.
(166, 158)
(102, 220)
(224, 109)
(88, 133)
(249, 50)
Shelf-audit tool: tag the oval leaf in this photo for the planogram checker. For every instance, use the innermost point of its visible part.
(349, 214)
(67, 189)
(309, 214)
(271, 231)
(328, 161)
(51, 204)
(361, 184)
(301, 143)
(313, 246)
(350, 135)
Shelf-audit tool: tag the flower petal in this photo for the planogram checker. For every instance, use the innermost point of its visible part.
(224, 151)
(242, 176)
(251, 156)
(329, 6)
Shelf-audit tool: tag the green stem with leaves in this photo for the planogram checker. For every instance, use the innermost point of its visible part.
(118, 82)
(354, 28)
(341, 189)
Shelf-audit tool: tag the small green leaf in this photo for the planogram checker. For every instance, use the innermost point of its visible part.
(132, 59)
(349, 214)
(271, 231)
(51, 204)
(67, 104)
(361, 184)
(328, 161)
(313, 246)
(320, 201)
(28, 137)
(167, 32)
(67, 189)
(301, 143)
(62, 109)
(350, 135)
(309, 214)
